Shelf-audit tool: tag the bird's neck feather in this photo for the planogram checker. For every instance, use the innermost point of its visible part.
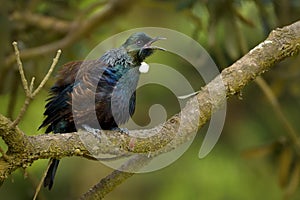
(120, 56)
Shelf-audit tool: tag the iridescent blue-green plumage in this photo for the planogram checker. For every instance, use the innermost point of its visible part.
(105, 86)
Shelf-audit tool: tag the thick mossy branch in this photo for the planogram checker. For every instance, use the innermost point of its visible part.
(23, 150)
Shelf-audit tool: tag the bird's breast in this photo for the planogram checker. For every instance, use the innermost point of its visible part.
(123, 96)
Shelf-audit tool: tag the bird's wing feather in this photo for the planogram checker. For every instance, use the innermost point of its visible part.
(91, 97)
(77, 84)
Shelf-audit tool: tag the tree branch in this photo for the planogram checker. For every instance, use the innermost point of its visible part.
(41, 21)
(79, 29)
(30, 94)
(235, 77)
(23, 150)
(114, 179)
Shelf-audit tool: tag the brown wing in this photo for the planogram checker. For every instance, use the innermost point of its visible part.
(58, 107)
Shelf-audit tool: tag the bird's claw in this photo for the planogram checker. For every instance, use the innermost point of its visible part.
(121, 130)
(94, 131)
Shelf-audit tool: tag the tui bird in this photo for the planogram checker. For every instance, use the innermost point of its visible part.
(101, 81)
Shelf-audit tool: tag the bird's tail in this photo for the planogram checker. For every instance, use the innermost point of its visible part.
(49, 179)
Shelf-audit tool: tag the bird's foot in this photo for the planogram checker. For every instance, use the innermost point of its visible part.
(94, 131)
(121, 130)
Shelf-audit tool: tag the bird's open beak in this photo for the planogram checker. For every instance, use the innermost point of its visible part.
(149, 44)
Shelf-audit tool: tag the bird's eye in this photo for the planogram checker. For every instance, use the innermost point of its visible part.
(139, 42)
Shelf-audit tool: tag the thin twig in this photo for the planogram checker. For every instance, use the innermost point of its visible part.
(20, 66)
(22, 112)
(108, 183)
(24, 83)
(276, 107)
(31, 84)
(38, 188)
(45, 79)
(28, 89)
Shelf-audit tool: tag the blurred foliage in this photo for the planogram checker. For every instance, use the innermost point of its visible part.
(269, 166)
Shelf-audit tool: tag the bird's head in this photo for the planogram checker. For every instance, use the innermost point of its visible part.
(139, 46)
